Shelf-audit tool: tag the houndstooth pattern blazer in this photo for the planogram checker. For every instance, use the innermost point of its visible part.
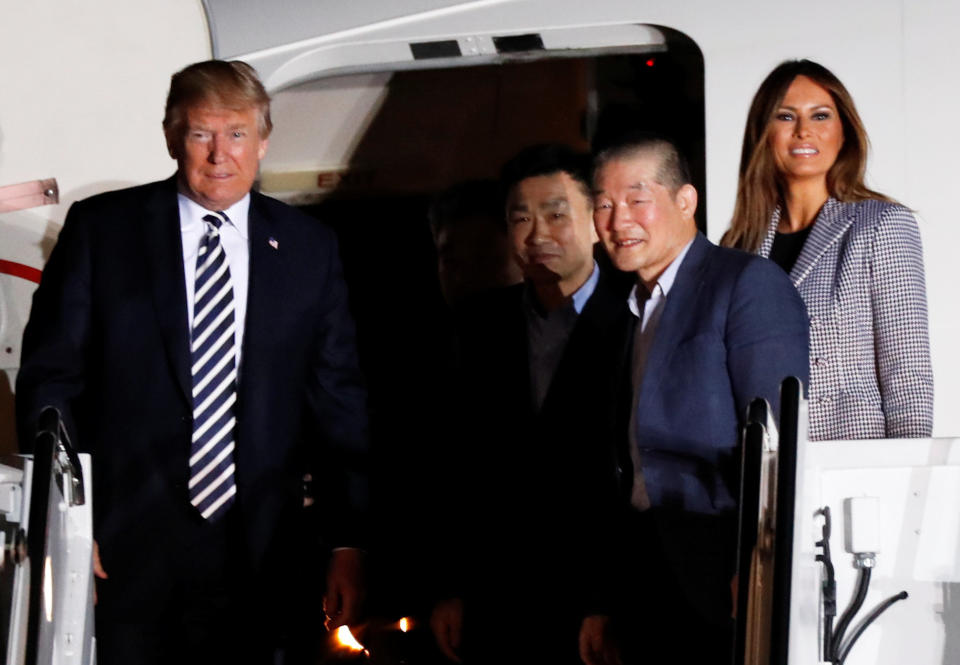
(861, 276)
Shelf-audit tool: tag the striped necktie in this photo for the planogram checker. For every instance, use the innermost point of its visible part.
(213, 360)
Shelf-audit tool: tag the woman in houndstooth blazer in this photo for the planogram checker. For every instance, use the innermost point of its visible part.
(853, 254)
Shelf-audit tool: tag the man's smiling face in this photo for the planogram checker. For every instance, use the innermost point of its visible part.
(642, 225)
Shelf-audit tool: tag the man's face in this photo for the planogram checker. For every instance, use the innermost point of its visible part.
(550, 224)
(641, 224)
(218, 155)
(473, 256)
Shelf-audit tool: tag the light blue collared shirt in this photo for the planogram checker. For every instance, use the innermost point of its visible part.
(236, 244)
(660, 291)
(582, 295)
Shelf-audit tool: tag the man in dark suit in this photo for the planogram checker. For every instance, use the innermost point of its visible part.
(533, 378)
(712, 329)
(196, 338)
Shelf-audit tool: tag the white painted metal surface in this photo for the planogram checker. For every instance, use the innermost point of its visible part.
(917, 483)
(66, 612)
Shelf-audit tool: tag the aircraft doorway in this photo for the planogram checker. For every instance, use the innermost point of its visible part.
(367, 153)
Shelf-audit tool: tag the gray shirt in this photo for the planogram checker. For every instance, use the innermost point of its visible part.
(548, 334)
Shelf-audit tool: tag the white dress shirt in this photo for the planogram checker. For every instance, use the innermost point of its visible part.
(235, 241)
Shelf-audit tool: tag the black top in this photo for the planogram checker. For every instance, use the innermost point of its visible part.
(787, 247)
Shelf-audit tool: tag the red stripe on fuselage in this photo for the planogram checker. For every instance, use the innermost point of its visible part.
(20, 270)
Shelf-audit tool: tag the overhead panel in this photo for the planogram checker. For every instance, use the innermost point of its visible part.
(238, 27)
(295, 41)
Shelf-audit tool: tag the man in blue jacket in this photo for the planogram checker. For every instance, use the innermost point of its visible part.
(711, 330)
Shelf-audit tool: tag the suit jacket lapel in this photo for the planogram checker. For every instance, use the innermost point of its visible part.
(164, 258)
(600, 313)
(264, 291)
(771, 235)
(832, 222)
(678, 311)
(519, 343)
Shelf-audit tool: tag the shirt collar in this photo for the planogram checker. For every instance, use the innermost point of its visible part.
(664, 283)
(582, 295)
(191, 214)
(578, 299)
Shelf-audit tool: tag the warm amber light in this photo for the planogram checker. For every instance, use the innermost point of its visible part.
(404, 624)
(346, 639)
(48, 588)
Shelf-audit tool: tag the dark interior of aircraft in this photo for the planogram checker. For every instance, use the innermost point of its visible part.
(437, 128)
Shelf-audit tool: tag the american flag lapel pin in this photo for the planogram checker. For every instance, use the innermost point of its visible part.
(273, 243)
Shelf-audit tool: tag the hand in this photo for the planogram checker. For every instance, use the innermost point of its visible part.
(98, 570)
(308, 499)
(596, 644)
(446, 621)
(345, 588)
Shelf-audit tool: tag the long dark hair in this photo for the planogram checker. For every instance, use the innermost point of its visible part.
(760, 188)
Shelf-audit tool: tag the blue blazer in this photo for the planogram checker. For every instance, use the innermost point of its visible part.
(732, 329)
(108, 344)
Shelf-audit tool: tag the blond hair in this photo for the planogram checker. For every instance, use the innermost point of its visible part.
(218, 83)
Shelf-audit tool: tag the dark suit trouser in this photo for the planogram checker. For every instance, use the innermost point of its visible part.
(524, 604)
(676, 605)
(522, 625)
(206, 614)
